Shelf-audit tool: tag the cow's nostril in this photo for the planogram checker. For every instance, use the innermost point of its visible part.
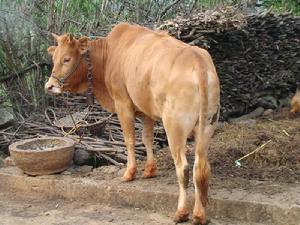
(52, 89)
(49, 87)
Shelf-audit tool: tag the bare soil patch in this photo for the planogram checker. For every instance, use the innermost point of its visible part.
(278, 160)
(30, 210)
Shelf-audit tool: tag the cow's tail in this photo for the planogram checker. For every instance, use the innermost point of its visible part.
(201, 166)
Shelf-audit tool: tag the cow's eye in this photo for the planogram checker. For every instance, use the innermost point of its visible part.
(67, 59)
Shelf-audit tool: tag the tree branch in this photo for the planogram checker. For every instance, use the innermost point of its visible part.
(23, 72)
(167, 8)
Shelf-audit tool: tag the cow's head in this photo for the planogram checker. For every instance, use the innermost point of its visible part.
(67, 65)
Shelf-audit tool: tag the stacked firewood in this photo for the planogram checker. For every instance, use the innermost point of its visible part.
(257, 56)
(98, 133)
(196, 28)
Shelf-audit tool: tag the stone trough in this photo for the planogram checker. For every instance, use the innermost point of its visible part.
(42, 156)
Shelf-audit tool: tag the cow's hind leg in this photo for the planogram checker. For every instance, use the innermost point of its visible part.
(177, 134)
(201, 173)
(150, 167)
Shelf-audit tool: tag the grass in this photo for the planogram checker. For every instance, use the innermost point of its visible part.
(281, 6)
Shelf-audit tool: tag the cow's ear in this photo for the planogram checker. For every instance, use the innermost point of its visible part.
(55, 36)
(83, 45)
(51, 50)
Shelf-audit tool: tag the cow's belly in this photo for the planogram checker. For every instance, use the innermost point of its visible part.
(147, 100)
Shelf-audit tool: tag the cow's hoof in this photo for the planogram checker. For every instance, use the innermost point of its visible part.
(129, 175)
(200, 220)
(150, 170)
(182, 215)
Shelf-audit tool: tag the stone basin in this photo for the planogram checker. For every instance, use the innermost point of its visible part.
(43, 156)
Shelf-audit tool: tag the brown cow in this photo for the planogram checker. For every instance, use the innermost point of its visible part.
(295, 102)
(140, 71)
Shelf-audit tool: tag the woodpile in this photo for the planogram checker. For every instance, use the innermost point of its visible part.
(257, 56)
(103, 139)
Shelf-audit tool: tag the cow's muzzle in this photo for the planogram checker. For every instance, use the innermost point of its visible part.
(52, 89)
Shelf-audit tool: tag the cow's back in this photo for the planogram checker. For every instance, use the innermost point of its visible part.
(153, 68)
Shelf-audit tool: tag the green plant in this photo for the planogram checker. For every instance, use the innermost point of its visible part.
(281, 6)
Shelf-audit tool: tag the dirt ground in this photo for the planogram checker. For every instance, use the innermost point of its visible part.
(278, 161)
(34, 211)
(29, 210)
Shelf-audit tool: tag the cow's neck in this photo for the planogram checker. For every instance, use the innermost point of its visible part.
(98, 53)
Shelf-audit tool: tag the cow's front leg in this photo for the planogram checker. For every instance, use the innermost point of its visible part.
(150, 167)
(126, 117)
